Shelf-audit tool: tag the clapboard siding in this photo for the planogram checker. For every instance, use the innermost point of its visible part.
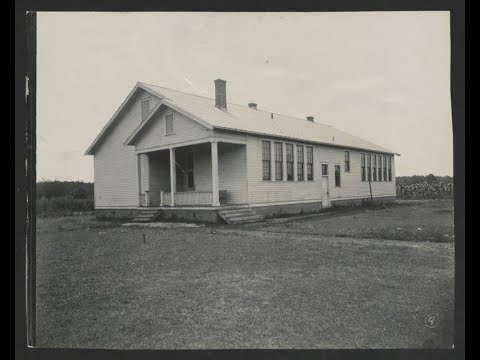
(115, 165)
(159, 175)
(268, 191)
(144, 173)
(154, 134)
(352, 185)
(232, 172)
(202, 168)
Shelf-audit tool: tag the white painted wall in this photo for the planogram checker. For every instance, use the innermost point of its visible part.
(232, 172)
(268, 191)
(115, 165)
(154, 134)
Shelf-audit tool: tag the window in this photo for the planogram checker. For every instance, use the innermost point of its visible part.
(289, 149)
(300, 159)
(278, 161)
(385, 168)
(389, 168)
(169, 124)
(369, 167)
(190, 182)
(374, 167)
(337, 175)
(266, 160)
(379, 168)
(363, 166)
(145, 108)
(309, 163)
(324, 169)
(347, 160)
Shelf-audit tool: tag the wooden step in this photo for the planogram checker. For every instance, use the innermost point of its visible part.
(146, 215)
(239, 216)
(236, 211)
(244, 216)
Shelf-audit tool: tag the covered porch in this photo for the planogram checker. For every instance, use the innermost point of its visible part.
(205, 174)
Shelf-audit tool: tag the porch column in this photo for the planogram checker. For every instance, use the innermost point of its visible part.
(215, 189)
(139, 179)
(173, 180)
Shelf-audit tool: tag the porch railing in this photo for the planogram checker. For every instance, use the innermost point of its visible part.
(189, 198)
(157, 198)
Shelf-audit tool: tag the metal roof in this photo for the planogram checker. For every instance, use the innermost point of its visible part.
(245, 119)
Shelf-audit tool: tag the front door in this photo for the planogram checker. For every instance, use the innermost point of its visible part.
(325, 187)
(180, 175)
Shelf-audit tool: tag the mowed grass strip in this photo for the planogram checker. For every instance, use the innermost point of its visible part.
(428, 220)
(224, 287)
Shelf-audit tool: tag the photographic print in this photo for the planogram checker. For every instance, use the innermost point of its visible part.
(244, 180)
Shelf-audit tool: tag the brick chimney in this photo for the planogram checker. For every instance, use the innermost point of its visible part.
(310, 118)
(252, 106)
(221, 94)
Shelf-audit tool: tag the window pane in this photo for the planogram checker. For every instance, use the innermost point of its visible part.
(266, 157)
(324, 169)
(389, 169)
(289, 170)
(278, 151)
(337, 175)
(347, 160)
(385, 169)
(309, 171)
(379, 168)
(309, 155)
(300, 160)
(362, 156)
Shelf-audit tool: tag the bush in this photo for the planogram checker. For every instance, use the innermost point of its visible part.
(55, 189)
(64, 205)
(63, 197)
(425, 190)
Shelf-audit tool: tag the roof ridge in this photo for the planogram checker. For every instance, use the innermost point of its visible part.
(231, 103)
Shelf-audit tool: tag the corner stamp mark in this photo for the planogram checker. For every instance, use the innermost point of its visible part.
(432, 320)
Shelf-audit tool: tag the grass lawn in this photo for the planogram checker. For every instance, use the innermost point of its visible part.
(425, 220)
(295, 284)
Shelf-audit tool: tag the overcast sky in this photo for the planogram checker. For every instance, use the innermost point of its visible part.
(378, 75)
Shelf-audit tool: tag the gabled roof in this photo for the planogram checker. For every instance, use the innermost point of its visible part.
(244, 119)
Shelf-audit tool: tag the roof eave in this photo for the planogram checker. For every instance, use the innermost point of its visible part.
(91, 148)
(385, 151)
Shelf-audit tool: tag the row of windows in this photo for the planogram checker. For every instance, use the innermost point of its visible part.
(278, 161)
(145, 109)
(376, 167)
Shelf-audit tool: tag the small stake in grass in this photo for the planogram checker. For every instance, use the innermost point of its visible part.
(144, 238)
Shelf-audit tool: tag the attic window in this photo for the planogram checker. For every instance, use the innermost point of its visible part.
(169, 124)
(145, 108)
